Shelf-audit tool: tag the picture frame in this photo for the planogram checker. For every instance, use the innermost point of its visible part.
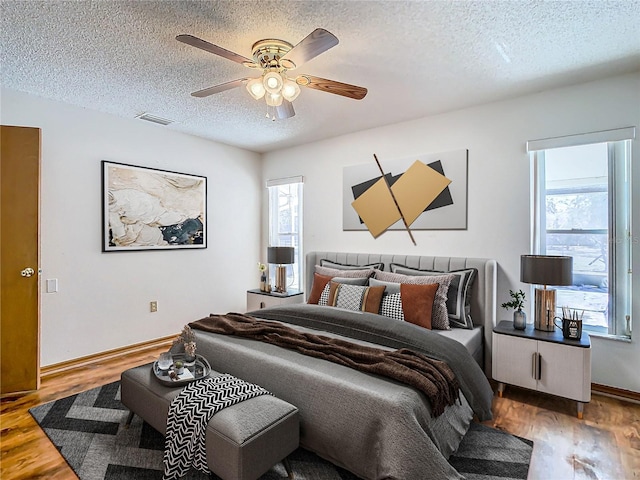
(151, 209)
(448, 211)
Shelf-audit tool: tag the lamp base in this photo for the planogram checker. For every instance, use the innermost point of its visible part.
(545, 310)
(281, 279)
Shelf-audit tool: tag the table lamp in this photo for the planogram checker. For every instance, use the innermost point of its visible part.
(546, 270)
(280, 256)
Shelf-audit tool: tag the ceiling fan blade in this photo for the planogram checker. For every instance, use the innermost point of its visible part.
(285, 110)
(331, 86)
(220, 88)
(318, 41)
(215, 49)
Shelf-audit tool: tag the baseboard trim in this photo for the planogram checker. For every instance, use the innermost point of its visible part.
(615, 392)
(57, 368)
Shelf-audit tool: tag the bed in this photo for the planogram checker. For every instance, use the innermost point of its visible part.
(374, 426)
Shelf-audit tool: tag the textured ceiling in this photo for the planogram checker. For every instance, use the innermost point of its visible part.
(416, 58)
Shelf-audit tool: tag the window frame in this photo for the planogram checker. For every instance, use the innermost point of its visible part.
(619, 219)
(295, 271)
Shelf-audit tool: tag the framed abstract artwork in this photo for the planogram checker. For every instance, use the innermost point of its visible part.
(427, 192)
(150, 209)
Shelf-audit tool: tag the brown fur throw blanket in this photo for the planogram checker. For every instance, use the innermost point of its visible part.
(432, 377)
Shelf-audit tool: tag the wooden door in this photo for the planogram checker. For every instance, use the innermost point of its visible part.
(19, 252)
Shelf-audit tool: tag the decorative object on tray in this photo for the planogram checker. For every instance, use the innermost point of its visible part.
(546, 270)
(178, 367)
(263, 276)
(151, 209)
(189, 353)
(185, 343)
(517, 302)
(165, 360)
(174, 376)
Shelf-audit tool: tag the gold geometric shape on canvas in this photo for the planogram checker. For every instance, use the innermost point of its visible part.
(376, 208)
(417, 188)
(413, 191)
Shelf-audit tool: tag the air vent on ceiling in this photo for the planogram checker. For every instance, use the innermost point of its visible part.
(154, 119)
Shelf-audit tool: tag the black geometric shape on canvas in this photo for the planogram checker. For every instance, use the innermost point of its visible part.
(444, 198)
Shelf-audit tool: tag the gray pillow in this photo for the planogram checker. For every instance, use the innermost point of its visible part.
(351, 273)
(345, 266)
(392, 287)
(458, 295)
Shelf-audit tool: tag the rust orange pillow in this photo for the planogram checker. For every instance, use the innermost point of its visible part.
(319, 282)
(417, 303)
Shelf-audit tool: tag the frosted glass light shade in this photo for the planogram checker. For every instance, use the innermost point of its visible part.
(255, 88)
(272, 82)
(290, 90)
(273, 99)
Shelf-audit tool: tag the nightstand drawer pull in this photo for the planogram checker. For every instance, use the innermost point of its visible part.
(539, 367)
(533, 365)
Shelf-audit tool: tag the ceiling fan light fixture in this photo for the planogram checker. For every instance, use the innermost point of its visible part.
(290, 90)
(272, 82)
(273, 99)
(256, 88)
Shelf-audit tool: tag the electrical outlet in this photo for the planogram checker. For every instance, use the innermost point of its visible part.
(153, 306)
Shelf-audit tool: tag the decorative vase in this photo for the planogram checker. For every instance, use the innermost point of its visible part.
(263, 283)
(189, 353)
(519, 320)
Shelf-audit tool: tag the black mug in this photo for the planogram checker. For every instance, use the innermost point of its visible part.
(571, 328)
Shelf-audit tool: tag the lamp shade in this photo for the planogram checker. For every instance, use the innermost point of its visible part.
(256, 88)
(280, 255)
(546, 269)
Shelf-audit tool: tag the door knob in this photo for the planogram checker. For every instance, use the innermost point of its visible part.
(27, 272)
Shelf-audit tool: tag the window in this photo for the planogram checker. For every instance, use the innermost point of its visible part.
(285, 223)
(582, 209)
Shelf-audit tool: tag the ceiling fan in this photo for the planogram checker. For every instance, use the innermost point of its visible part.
(276, 58)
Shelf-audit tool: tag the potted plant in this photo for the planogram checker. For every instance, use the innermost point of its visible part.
(178, 367)
(517, 302)
(263, 276)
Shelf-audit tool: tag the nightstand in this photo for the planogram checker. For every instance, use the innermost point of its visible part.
(542, 361)
(257, 299)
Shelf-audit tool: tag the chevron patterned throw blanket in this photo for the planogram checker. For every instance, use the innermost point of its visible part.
(189, 414)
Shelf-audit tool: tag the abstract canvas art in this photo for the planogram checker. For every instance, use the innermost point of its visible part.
(149, 209)
(427, 192)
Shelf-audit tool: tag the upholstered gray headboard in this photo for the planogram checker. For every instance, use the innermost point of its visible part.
(483, 293)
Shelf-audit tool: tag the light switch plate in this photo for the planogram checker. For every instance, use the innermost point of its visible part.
(52, 285)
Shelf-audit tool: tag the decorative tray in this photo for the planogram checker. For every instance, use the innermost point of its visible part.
(196, 370)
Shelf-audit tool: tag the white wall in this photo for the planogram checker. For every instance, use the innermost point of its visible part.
(103, 298)
(499, 174)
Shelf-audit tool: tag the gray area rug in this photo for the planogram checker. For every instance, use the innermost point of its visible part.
(88, 430)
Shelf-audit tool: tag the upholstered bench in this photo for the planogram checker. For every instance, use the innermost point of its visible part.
(243, 441)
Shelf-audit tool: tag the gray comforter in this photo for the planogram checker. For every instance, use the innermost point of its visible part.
(373, 426)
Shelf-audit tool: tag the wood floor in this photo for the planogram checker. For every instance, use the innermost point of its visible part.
(605, 445)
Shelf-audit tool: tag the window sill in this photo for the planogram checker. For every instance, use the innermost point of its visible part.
(619, 338)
